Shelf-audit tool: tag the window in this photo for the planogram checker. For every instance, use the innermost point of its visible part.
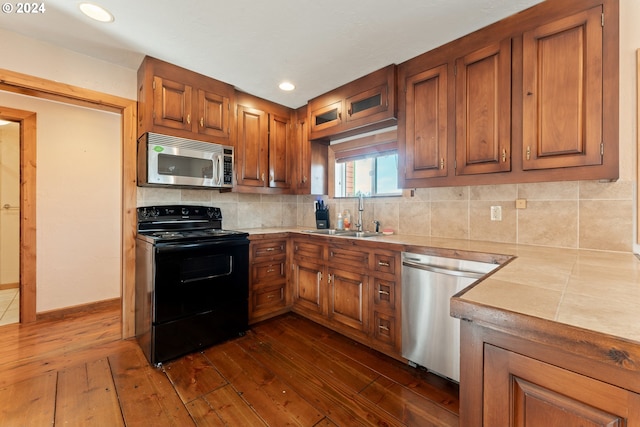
(367, 165)
(376, 175)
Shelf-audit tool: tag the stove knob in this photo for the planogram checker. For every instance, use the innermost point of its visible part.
(154, 212)
(185, 211)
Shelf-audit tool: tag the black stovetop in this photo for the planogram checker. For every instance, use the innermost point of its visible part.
(183, 223)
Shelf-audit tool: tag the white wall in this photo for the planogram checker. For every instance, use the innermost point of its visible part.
(78, 202)
(29, 56)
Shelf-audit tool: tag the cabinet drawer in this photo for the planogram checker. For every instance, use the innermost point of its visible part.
(267, 272)
(268, 249)
(348, 256)
(384, 328)
(268, 297)
(384, 293)
(384, 263)
(308, 250)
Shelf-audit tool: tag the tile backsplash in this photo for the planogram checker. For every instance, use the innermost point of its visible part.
(584, 214)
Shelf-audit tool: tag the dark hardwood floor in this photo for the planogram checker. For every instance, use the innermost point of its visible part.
(285, 371)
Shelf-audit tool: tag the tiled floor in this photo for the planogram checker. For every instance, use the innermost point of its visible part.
(9, 306)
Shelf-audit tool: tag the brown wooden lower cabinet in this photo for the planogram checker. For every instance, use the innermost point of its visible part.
(269, 293)
(350, 288)
(547, 380)
(521, 391)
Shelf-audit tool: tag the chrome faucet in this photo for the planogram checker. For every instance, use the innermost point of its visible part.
(360, 209)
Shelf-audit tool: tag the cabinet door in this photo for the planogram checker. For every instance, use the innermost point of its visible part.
(302, 151)
(367, 103)
(483, 110)
(348, 298)
(520, 391)
(279, 152)
(308, 287)
(326, 117)
(171, 104)
(426, 124)
(562, 98)
(252, 147)
(213, 114)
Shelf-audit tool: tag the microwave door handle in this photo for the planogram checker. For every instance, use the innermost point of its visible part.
(219, 170)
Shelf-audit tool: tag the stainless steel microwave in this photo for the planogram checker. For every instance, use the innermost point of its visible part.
(168, 160)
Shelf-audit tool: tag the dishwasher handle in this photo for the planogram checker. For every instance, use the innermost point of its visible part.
(442, 270)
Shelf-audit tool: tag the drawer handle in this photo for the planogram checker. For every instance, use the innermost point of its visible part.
(270, 249)
(381, 292)
(383, 264)
(384, 328)
(271, 270)
(270, 296)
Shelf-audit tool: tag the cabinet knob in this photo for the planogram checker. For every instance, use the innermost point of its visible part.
(528, 153)
(262, 177)
(442, 163)
(201, 122)
(189, 119)
(504, 155)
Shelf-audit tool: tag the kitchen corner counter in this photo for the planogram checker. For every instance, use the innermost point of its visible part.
(591, 290)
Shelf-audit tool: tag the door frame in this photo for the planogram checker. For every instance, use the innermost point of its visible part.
(47, 89)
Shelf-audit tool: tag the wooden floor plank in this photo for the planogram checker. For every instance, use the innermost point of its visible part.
(146, 395)
(354, 377)
(232, 409)
(433, 387)
(276, 402)
(408, 406)
(193, 376)
(86, 396)
(203, 414)
(286, 371)
(340, 403)
(30, 402)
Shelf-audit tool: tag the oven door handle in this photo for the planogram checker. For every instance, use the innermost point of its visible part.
(178, 247)
(213, 276)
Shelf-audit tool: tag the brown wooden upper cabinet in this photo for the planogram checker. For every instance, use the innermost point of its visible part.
(263, 149)
(531, 98)
(302, 152)
(179, 102)
(562, 92)
(483, 110)
(426, 123)
(367, 103)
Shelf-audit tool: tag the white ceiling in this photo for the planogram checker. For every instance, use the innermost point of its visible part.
(255, 44)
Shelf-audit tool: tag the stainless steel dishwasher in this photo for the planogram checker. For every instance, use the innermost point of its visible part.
(430, 336)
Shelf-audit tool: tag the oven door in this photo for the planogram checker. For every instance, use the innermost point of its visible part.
(199, 297)
(192, 279)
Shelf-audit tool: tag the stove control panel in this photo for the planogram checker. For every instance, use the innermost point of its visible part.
(178, 212)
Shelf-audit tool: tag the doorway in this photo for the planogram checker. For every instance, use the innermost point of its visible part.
(9, 222)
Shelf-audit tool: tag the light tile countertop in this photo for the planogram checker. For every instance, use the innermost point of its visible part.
(593, 290)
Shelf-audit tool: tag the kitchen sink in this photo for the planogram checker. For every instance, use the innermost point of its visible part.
(329, 231)
(346, 233)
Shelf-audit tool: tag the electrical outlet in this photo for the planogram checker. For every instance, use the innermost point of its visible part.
(496, 213)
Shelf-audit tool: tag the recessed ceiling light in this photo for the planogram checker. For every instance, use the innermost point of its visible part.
(96, 12)
(287, 86)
